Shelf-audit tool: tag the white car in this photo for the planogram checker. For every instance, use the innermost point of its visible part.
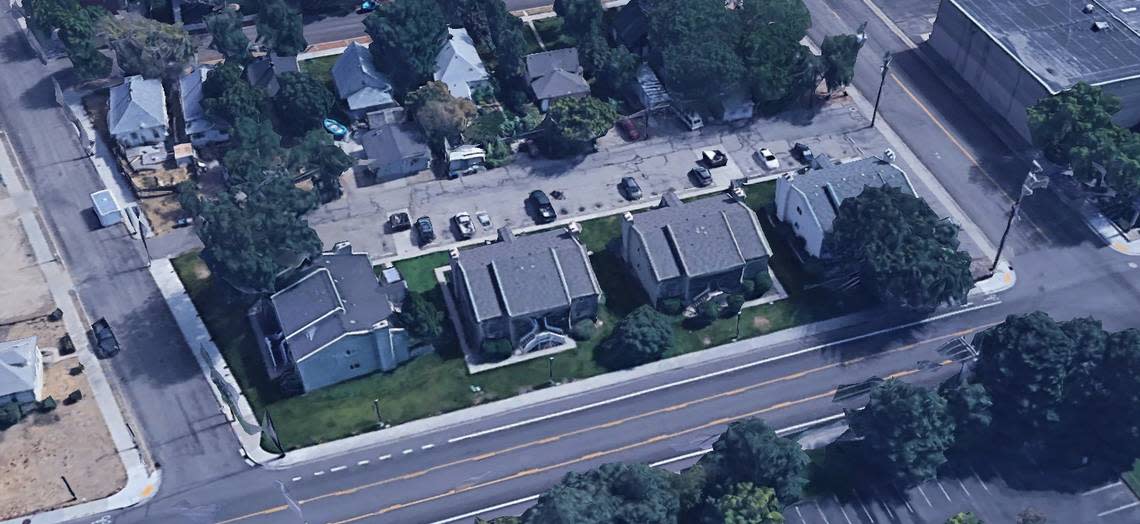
(484, 219)
(770, 160)
(464, 224)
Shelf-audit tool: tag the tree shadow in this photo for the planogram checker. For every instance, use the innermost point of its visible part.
(40, 96)
(15, 49)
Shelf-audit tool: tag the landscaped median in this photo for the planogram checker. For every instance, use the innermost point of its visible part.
(439, 382)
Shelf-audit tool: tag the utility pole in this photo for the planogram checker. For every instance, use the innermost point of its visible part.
(1030, 183)
(882, 80)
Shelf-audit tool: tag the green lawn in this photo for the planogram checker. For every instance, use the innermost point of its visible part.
(439, 383)
(552, 35)
(1132, 478)
(321, 69)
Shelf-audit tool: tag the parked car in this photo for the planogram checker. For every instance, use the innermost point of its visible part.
(714, 158)
(464, 224)
(690, 118)
(769, 159)
(399, 221)
(628, 187)
(803, 152)
(425, 231)
(106, 345)
(334, 128)
(543, 209)
(484, 219)
(367, 6)
(630, 129)
(701, 176)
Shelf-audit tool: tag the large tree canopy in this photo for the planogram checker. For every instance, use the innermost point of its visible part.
(573, 124)
(226, 36)
(439, 114)
(280, 28)
(906, 429)
(696, 41)
(746, 503)
(1059, 123)
(318, 157)
(613, 493)
(903, 253)
(750, 451)
(148, 47)
(301, 102)
(253, 151)
(839, 53)
(642, 336)
(406, 38)
(227, 95)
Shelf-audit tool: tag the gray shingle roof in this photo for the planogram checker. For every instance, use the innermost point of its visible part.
(699, 237)
(844, 181)
(18, 366)
(392, 143)
(1054, 38)
(546, 62)
(559, 83)
(458, 64)
(357, 80)
(137, 103)
(519, 276)
(191, 93)
(338, 294)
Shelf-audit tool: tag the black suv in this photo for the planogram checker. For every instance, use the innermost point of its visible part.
(106, 345)
(543, 209)
(399, 221)
(628, 186)
(701, 176)
(425, 230)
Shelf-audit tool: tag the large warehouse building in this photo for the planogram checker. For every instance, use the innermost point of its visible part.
(1014, 52)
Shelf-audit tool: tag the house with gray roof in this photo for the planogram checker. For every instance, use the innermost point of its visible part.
(528, 289)
(21, 372)
(458, 65)
(395, 150)
(200, 128)
(809, 201)
(263, 71)
(137, 113)
(555, 74)
(684, 249)
(359, 83)
(333, 323)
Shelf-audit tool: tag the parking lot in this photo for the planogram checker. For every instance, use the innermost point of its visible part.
(588, 184)
(984, 493)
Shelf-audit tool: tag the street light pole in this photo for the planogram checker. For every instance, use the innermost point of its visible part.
(882, 80)
(376, 406)
(550, 368)
(737, 326)
(1030, 183)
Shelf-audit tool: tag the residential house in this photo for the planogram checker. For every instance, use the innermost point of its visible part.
(21, 372)
(684, 249)
(555, 74)
(458, 65)
(137, 113)
(199, 127)
(333, 323)
(394, 147)
(359, 83)
(528, 289)
(262, 72)
(809, 201)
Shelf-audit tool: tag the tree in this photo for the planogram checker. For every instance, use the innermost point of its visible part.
(778, 69)
(255, 231)
(1031, 516)
(746, 504)
(87, 61)
(573, 124)
(901, 251)
(280, 28)
(317, 156)
(406, 37)
(907, 430)
(612, 493)
(226, 36)
(510, 57)
(838, 53)
(227, 95)
(757, 285)
(696, 40)
(580, 18)
(970, 407)
(642, 336)
(1120, 372)
(964, 518)
(302, 102)
(733, 303)
(612, 68)
(148, 47)
(706, 314)
(422, 318)
(750, 451)
(497, 349)
(254, 151)
(1060, 122)
(439, 114)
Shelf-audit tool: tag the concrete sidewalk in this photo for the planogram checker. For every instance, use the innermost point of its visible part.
(1069, 191)
(141, 484)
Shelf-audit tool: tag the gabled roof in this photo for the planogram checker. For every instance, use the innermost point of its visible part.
(191, 94)
(338, 294)
(458, 64)
(546, 62)
(520, 276)
(699, 237)
(18, 366)
(137, 103)
(357, 80)
(559, 83)
(393, 143)
(828, 184)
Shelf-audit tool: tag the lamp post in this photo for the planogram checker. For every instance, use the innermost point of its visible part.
(550, 369)
(1031, 182)
(376, 406)
(737, 337)
(882, 80)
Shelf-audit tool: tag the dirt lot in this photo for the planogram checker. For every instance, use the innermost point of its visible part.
(70, 442)
(23, 290)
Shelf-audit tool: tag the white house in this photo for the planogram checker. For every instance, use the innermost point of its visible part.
(199, 127)
(138, 112)
(458, 65)
(21, 372)
(809, 202)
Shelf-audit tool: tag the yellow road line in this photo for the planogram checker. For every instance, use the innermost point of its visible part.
(609, 424)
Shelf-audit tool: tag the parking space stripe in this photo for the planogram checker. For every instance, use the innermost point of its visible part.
(1115, 510)
(1102, 488)
(864, 506)
(964, 488)
(800, 515)
(927, 499)
(943, 488)
(980, 481)
(821, 515)
(841, 510)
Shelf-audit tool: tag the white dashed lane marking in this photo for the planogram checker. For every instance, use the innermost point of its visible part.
(407, 451)
(362, 463)
(384, 457)
(338, 468)
(427, 446)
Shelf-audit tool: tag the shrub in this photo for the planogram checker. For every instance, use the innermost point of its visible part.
(496, 350)
(671, 306)
(642, 336)
(757, 285)
(9, 415)
(733, 303)
(583, 330)
(706, 314)
(47, 405)
(422, 318)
